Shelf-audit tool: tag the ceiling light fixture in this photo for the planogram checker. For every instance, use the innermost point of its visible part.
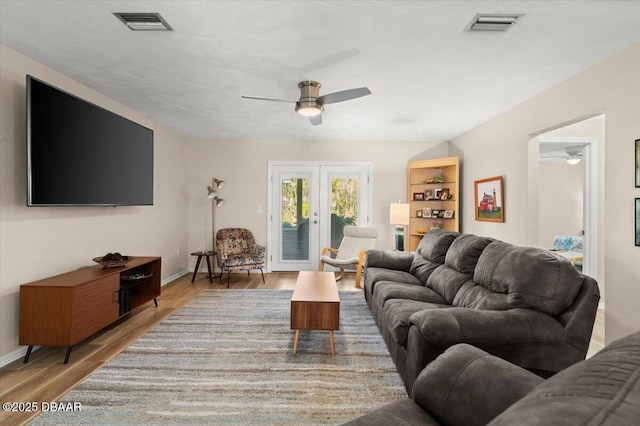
(574, 157)
(493, 21)
(308, 109)
(144, 21)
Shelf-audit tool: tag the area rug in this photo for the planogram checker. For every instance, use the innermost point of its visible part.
(227, 358)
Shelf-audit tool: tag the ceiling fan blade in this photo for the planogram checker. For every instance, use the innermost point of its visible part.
(316, 119)
(262, 98)
(345, 95)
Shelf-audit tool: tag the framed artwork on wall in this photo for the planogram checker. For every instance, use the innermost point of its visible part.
(637, 163)
(489, 199)
(638, 221)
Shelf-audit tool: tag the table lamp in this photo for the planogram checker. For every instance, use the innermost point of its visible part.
(399, 216)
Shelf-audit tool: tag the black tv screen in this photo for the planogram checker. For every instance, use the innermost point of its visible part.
(80, 154)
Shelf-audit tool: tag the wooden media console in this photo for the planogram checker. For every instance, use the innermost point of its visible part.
(65, 309)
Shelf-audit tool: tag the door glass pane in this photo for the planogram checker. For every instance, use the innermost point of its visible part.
(295, 219)
(344, 207)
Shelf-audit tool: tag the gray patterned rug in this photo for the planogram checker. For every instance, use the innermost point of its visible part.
(226, 357)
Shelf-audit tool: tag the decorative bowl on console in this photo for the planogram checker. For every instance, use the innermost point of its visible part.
(113, 260)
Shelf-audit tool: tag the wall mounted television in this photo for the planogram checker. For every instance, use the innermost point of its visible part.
(80, 154)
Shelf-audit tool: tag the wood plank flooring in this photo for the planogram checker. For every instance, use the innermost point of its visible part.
(45, 378)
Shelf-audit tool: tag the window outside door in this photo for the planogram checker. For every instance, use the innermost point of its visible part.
(310, 204)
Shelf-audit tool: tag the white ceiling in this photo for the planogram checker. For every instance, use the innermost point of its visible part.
(430, 80)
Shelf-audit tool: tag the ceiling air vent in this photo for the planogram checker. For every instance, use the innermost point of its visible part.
(144, 21)
(493, 21)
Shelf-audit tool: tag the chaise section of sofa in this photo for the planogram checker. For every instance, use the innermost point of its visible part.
(466, 386)
(526, 305)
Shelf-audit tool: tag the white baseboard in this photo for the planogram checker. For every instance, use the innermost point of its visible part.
(175, 276)
(17, 354)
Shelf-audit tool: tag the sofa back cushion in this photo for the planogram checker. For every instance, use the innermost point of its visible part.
(431, 252)
(460, 262)
(508, 276)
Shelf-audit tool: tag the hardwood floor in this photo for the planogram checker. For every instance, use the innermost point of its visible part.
(45, 378)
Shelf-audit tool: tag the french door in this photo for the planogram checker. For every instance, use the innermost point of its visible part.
(309, 205)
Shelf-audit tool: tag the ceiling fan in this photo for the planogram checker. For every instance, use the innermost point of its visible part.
(572, 156)
(311, 104)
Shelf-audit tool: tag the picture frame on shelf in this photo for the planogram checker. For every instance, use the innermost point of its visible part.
(441, 214)
(435, 213)
(426, 212)
(444, 195)
(638, 222)
(637, 163)
(418, 196)
(428, 194)
(437, 193)
(489, 199)
(419, 213)
(448, 214)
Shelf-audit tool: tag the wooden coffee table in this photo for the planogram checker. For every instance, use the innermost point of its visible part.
(315, 305)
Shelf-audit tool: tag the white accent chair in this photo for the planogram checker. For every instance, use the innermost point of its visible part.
(350, 255)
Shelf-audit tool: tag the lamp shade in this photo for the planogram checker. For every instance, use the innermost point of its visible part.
(399, 214)
(212, 192)
(219, 183)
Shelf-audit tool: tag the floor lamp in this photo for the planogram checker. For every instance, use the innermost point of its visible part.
(399, 216)
(215, 202)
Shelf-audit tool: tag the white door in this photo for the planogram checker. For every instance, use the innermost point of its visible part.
(310, 203)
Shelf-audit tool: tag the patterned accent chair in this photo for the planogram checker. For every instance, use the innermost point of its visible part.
(238, 251)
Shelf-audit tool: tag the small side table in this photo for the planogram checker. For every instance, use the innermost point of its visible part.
(201, 254)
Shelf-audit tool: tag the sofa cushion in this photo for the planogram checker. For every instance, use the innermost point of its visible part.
(435, 243)
(397, 313)
(401, 412)
(603, 390)
(391, 290)
(422, 268)
(375, 275)
(527, 277)
(460, 262)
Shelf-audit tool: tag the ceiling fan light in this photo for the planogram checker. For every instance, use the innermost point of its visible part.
(310, 109)
(573, 160)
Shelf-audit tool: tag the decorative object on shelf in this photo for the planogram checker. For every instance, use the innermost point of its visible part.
(113, 260)
(399, 215)
(638, 221)
(421, 231)
(212, 193)
(437, 193)
(489, 200)
(437, 179)
(435, 213)
(418, 196)
(437, 225)
(448, 214)
(444, 195)
(428, 195)
(419, 213)
(426, 212)
(637, 163)
(135, 276)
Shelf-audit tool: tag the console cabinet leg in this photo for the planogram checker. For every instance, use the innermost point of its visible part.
(66, 357)
(155, 300)
(28, 354)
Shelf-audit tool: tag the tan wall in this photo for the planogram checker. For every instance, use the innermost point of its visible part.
(243, 164)
(500, 147)
(37, 242)
(560, 201)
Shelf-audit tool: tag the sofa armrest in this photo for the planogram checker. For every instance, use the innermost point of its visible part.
(258, 249)
(447, 327)
(388, 259)
(467, 386)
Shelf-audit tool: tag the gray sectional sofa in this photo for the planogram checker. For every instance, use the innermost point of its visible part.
(528, 306)
(465, 386)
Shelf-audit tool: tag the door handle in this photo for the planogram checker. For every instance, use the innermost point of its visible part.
(315, 221)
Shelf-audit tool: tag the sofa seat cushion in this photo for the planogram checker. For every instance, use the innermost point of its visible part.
(375, 275)
(524, 277)
(401, 412)
(396, 314)
(603, 390)
(244, 260)
(390, 290)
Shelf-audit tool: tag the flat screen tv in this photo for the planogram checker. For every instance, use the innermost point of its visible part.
(80, 154)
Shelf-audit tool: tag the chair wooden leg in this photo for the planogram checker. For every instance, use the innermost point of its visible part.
(262, 273)
(359, 268)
